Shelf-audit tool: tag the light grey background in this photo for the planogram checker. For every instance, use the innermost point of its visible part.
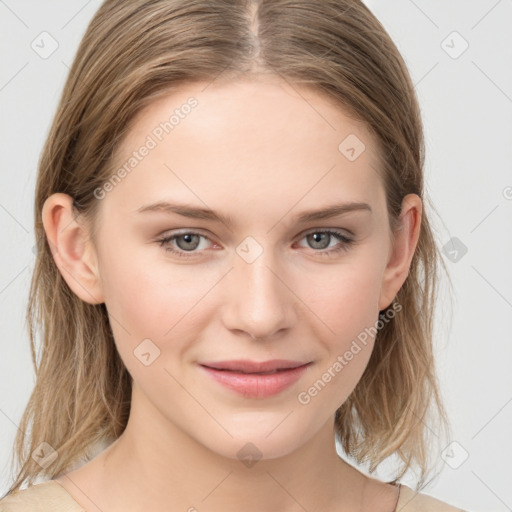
(466, 101)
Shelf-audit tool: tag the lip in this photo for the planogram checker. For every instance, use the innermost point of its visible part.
(245, 377)
(248, 366)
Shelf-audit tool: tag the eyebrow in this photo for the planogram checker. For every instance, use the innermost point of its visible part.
(193, 212)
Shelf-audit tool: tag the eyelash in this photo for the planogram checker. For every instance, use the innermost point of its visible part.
(344, 240)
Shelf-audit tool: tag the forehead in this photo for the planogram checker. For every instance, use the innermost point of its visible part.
(247, 141)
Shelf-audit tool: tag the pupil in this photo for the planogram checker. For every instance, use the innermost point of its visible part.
(317, 238)
(188, 240)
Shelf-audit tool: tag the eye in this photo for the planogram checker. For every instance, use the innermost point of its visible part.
(320, 239)
(187, 244)
(186, 241)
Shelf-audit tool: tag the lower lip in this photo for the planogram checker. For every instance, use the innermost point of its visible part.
(253, 385)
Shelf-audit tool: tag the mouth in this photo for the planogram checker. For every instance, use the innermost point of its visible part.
(256, 379)
(247, 366)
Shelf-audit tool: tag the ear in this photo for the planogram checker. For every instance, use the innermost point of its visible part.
(71, 248)
(401, 253)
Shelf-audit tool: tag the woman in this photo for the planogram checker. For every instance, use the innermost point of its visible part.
(235, 267)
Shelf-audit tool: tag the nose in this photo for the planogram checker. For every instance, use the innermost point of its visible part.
(258, 301)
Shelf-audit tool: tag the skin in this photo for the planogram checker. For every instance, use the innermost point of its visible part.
(261, 152)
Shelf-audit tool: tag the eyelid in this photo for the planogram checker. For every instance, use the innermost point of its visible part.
(349, 233)
(344, 242)
(206, 234)
(185, 231)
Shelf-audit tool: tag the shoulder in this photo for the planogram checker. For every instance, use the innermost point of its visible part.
(413, 501)
(43, 497)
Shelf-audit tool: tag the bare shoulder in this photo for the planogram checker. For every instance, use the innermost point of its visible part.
(412, 501)
(44, 497)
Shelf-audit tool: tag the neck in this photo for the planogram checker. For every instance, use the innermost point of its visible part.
(154, 464)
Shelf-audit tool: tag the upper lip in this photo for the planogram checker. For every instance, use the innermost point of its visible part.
(247, 366)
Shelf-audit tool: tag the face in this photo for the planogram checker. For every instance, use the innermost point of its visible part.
(259, 281)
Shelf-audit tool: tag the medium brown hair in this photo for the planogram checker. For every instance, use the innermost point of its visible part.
(135, 52)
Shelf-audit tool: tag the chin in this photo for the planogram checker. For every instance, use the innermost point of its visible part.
(251, 445)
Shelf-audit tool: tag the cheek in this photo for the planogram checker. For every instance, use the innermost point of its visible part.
(345, 297)
(158, 301)
(346, 303)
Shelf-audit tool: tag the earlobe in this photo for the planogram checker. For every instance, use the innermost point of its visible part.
(401, 254)
(72, 251)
